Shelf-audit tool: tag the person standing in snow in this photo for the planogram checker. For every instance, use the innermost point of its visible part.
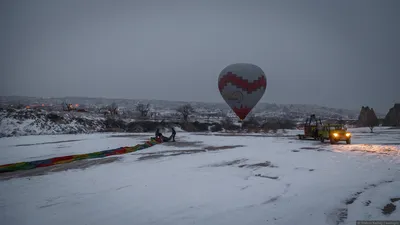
(159, 135)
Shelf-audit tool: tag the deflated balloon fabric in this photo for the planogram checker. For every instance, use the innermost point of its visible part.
(70, 158)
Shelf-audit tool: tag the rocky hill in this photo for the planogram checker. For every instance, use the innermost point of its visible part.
(367, 118)
(392, 118)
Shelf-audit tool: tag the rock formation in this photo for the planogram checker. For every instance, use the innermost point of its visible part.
(367, 118)
(392, 118)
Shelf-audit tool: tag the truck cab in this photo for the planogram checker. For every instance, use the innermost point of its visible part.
(335, 133)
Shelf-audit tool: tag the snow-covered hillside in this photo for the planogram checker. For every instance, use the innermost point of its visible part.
(204, 179)
(36, 122)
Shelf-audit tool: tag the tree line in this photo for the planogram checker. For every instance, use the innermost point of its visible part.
(185, 115)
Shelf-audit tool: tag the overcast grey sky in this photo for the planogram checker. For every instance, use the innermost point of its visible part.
(334, 53)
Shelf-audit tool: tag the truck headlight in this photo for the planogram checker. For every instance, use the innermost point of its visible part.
(348, 134)
(335, 134)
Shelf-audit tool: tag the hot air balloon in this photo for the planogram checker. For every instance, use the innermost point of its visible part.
(242, 85)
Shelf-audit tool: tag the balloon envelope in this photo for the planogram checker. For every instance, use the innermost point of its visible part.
(242, 85)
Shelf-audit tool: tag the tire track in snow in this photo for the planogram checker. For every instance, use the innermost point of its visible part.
(339, 215)
(276, 198)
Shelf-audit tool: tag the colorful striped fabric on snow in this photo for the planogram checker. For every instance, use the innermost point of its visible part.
(70, 158)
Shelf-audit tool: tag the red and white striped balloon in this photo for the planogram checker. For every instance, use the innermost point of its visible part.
(242, 85)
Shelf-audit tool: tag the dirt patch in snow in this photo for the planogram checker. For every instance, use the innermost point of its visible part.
(276, 198)
(337, 216)
(304, 169)
(158, 155)
(147, 157)
(257, 165)
(265, 176)
(215, 148)
(394, 200)
(317, 149)
(227, 163)
(81, 164)
(340, 215)
(161, 154)
(355, 196)
(182, 144)
(51, 142)
(389, 209)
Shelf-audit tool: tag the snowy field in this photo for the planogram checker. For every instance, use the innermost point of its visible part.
(207, 179)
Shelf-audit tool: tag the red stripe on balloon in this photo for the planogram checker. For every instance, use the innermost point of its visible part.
(241, 112)
(242, 83)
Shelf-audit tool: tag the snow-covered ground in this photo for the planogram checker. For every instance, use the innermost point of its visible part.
(207, 179)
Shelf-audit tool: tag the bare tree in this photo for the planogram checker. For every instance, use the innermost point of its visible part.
(252, 119)
(227, 122)
(113, 109)
(209, 115)
(143, 109)
(372, 120)
(185, 110)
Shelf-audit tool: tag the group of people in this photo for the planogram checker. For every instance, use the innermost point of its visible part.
(159, 135)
